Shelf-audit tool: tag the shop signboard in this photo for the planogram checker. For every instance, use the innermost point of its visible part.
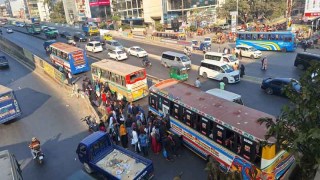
(99, 2)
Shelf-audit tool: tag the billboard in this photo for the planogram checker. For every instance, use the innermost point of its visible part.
(99, 2)
(312, 8)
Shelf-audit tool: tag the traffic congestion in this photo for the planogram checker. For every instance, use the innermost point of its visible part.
(116, 73)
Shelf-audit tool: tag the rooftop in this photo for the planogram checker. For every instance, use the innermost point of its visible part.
(65, 47)
(117, 67)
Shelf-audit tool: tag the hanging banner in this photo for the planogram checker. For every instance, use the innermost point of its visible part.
(312, 8)
(234, 15)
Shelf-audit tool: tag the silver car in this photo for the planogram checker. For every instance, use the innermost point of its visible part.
(114, 45)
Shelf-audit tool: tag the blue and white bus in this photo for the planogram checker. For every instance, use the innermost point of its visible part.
(68, 57)
(268, 41)
(9, 107)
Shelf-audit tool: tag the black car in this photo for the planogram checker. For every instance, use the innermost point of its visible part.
(303, 60)
(4, 62)
(65, 34)
(97, 38)
(277, 85)
(80, 37)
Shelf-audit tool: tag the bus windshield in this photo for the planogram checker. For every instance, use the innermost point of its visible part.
(134, 77)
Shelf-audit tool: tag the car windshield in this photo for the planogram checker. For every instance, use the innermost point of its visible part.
(121, 52)
(139, 49)
(116, 43)
(232, 58)
(98, 44)
(227, 68)
(252, 49)
(52, 29)
(184, 59)
(206, 39)
(80, 35)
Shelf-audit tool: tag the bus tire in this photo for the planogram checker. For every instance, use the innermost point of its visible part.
(87, 168)
(284, 50)
(205, 75)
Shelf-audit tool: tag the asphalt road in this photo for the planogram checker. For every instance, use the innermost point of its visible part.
(250, 91)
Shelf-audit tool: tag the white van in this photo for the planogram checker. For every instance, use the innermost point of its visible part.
(219, 71)
(94, 46)
(169, 59)
(221, 57)
(227, 95)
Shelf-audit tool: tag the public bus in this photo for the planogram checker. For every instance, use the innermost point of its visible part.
(68, 57)
(130, 82)
(268, 41)
(9, 107)
(10, 168)
(224, 130)
(33, 28)
(170, 35)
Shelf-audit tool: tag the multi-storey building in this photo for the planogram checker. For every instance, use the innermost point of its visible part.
(33, 10)
(131, 11)
(76, 10)
(43, 10)
(4, 11)
(14, 8)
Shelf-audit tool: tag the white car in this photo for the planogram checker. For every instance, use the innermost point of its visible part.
(118, 55)
(207, 40)
(94, 46)
(137, 51)
(248, 51)
(9, 30)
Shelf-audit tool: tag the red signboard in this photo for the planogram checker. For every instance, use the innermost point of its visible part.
(312, 14)
(99, 2)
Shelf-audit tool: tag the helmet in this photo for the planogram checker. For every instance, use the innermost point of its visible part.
(34, 139)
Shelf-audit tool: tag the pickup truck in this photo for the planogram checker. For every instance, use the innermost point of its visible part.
(97, 153)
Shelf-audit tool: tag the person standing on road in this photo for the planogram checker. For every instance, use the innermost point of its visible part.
(242, 69)
(197, 83)
(222, 85)
(123, 136)
(240, 55)
(264, 63)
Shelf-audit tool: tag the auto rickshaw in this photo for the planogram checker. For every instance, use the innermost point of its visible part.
(107, 37)
(179, 73)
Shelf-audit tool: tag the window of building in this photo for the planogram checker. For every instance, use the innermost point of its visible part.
(129, 5)
(134, 4)
(135, 13)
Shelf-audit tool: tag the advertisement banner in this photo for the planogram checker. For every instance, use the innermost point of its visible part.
(234, 15)
(312, 8)
(48, 69)
(99, 2)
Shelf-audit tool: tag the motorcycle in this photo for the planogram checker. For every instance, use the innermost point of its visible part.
(146, 63)
(92, 125)
(39, 156)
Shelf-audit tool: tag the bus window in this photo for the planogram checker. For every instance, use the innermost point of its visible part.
(175, 111)
(248, 149)
(205, 126)
(160, 102)
(242, 36)
(260, 36)
(188, 119)
(196, 123)
(249, 36)
(220, 131)
(277, 37)
(258, 154)
(254, 37)
(273, 37)
(153, 100)
(211, 130)
(287, 38)
(265, 36)
(94, 70)
(230, 139)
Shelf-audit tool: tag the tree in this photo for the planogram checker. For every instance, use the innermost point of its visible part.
(297, 129)
(57, 15)
(250, 10)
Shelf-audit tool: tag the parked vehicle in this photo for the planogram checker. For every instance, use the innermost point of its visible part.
(170, 58)
(221, 57)
(98, 154)
(303, 60)
(137, 51)
(4, 62)
(114, 45)
(94, 46)
(179, 73)
(9, 105)
(10, 168)
(227, 95)
(219, 71)
(277, 85)
(248, 51)
(9, 30)
(118, 55)
(78, 36)
(65, 34)
(55, 30)
(50, 34)
(97, 38)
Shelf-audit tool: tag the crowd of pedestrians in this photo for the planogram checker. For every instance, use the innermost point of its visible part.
(128, 124)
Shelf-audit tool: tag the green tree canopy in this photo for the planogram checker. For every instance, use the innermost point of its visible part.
(253, 9)
(297, 129)
(57, 15)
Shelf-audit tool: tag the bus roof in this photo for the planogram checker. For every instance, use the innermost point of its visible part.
(117, 67)
(66, 48)
(273, 32)
(239, 117)
(4, 89)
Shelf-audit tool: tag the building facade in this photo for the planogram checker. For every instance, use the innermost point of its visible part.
(131, 11)
(33, 11)
(100, 10)
(43, 9)
(15, 8)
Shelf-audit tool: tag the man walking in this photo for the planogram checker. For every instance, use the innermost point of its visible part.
(264, 63)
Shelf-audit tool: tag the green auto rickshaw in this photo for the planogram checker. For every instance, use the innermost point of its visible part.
(179, 73)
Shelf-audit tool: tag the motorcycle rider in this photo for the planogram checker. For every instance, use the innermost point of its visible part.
(145, 60)
(34, 146)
